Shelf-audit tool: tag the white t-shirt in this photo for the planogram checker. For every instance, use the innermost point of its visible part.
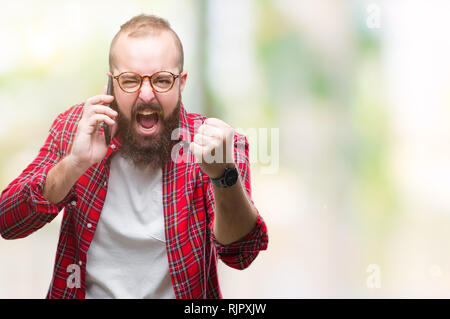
(127, 257)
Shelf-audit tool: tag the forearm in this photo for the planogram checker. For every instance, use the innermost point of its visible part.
(61, 178)
(234, 215)
(24, 207)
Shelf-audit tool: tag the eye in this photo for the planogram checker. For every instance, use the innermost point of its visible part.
(129, 81)
(162, 82)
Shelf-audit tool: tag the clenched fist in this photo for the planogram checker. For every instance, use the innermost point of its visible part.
(213, 147)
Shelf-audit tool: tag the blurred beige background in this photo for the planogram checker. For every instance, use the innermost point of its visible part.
(354, 186)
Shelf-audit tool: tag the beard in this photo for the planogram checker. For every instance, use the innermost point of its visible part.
(154, 150)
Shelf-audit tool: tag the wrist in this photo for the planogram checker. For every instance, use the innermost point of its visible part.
(218, 172)
(76, 165)
(228, 178)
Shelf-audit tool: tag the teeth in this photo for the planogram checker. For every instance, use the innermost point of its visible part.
(146, 112)
(148, 129)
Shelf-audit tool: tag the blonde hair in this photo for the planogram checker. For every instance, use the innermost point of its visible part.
(143, 25)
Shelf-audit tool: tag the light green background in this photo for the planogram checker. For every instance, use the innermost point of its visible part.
(362, 116)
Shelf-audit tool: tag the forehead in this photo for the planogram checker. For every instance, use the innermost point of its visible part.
(146, 54)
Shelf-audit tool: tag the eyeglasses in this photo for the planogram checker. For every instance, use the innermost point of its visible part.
(160, 82)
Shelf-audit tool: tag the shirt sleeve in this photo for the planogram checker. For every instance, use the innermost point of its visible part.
(240, 254)
(23, 208)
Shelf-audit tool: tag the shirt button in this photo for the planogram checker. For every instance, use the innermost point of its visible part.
(104, 184)
(73, 203)
(89, 225)
(80, 263)
(113, 147)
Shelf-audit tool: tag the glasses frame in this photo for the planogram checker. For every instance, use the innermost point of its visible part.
(174, 76)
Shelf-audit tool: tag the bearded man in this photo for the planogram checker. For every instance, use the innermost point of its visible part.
(148, 214)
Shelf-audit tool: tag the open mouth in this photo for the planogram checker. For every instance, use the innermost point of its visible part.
(147, 121)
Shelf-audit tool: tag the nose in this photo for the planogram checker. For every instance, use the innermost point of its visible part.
(146, 93)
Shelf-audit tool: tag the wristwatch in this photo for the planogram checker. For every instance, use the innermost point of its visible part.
(228, 179)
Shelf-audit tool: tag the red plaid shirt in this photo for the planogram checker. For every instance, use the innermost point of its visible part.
(188, 204)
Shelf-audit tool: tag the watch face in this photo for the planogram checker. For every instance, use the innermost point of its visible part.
(231, 177)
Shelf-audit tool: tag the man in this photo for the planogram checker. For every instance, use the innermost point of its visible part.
(148, 215)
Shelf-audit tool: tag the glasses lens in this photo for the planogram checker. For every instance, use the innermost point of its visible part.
(162, 81)
(129, 82)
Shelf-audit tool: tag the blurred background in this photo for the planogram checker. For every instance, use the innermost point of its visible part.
(346, 105)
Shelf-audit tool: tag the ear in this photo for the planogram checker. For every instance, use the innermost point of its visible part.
(183, 77)
(108, 73)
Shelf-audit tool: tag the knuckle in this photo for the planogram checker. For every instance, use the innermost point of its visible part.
(89, 111)
(96, 108)
(91, 100)
(96, 116)
(86, 108)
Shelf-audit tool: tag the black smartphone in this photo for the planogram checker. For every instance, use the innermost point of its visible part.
(106, 130)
